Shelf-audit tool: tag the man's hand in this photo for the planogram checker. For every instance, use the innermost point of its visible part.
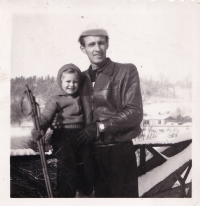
(86, 135)
(36, 135)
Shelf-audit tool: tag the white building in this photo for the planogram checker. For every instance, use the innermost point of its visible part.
(157, 120)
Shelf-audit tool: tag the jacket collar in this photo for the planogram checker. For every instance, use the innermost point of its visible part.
(62, 93)
(107, 69)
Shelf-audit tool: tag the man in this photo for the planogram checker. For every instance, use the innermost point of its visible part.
(113, 109)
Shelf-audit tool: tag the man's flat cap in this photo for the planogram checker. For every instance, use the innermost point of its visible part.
(94, 32)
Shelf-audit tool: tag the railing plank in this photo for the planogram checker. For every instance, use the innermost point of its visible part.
(143, 164)
(182, 183)
(188, 171)
(155, 153)
(142, 160)
(165, 186)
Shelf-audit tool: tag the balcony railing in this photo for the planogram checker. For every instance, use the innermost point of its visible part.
(165, 187)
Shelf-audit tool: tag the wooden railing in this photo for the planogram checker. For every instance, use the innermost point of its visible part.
(165, 187)
(157, 158)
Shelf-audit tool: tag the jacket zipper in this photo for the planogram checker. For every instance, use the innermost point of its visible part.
(91, 87)
(92, 96)
(93, 90)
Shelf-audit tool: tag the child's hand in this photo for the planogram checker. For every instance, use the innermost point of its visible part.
(36, 135)
(86, 135)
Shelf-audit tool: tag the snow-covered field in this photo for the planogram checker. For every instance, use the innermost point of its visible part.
(20, 137)
(171, 107)
(20, 141)
(164, 138)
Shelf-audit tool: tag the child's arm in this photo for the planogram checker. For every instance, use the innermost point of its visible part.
(48, 114)
(46, 118)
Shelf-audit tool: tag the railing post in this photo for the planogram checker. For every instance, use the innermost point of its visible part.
(142, 160)
(182, 184)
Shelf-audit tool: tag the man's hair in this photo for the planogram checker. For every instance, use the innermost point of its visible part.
(68, 71)
(82, 42)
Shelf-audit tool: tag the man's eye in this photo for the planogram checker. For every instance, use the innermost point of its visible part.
(101, 43)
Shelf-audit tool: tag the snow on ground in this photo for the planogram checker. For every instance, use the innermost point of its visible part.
(164, 107)
(156, 175)
(20, 137)
(17, 132)
(187, 124)
(20, 142)
(164, 139)
(23, 152)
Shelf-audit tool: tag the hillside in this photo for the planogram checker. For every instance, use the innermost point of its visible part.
(153, 92)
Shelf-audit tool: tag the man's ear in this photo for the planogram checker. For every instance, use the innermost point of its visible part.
(83, 49)
(107, 44)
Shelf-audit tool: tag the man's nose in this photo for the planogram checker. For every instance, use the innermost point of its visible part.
(97, 47)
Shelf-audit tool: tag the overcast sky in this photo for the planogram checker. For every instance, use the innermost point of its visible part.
(159, 38)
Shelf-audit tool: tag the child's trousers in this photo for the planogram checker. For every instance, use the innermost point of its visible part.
(74, 167)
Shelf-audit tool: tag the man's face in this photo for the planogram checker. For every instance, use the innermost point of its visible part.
(95, 48)
(70, 83)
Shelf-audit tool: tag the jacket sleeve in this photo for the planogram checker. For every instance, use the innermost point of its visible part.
(48, 114)
(132, 112)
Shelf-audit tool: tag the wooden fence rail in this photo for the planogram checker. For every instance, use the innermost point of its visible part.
(158, 158)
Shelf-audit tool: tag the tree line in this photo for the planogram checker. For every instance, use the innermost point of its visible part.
(44, 87)
(164, 89)
(41, 87)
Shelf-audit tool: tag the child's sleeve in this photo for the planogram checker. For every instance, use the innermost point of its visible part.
(48, 114)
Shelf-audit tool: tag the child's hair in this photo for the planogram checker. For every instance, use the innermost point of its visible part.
(68, 71)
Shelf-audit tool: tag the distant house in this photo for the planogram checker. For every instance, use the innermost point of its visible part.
(157, 120)
(186, 119)
(182, 119)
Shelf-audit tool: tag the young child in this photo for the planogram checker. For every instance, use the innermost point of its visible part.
(63, 113)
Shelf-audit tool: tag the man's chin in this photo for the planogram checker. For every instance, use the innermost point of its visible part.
(99, 62)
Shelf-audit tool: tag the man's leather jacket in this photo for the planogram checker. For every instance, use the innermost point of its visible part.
(115, 100)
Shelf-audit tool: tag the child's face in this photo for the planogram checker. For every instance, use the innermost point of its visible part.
(70, 83)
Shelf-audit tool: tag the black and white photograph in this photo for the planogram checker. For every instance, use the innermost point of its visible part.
(102, 101)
